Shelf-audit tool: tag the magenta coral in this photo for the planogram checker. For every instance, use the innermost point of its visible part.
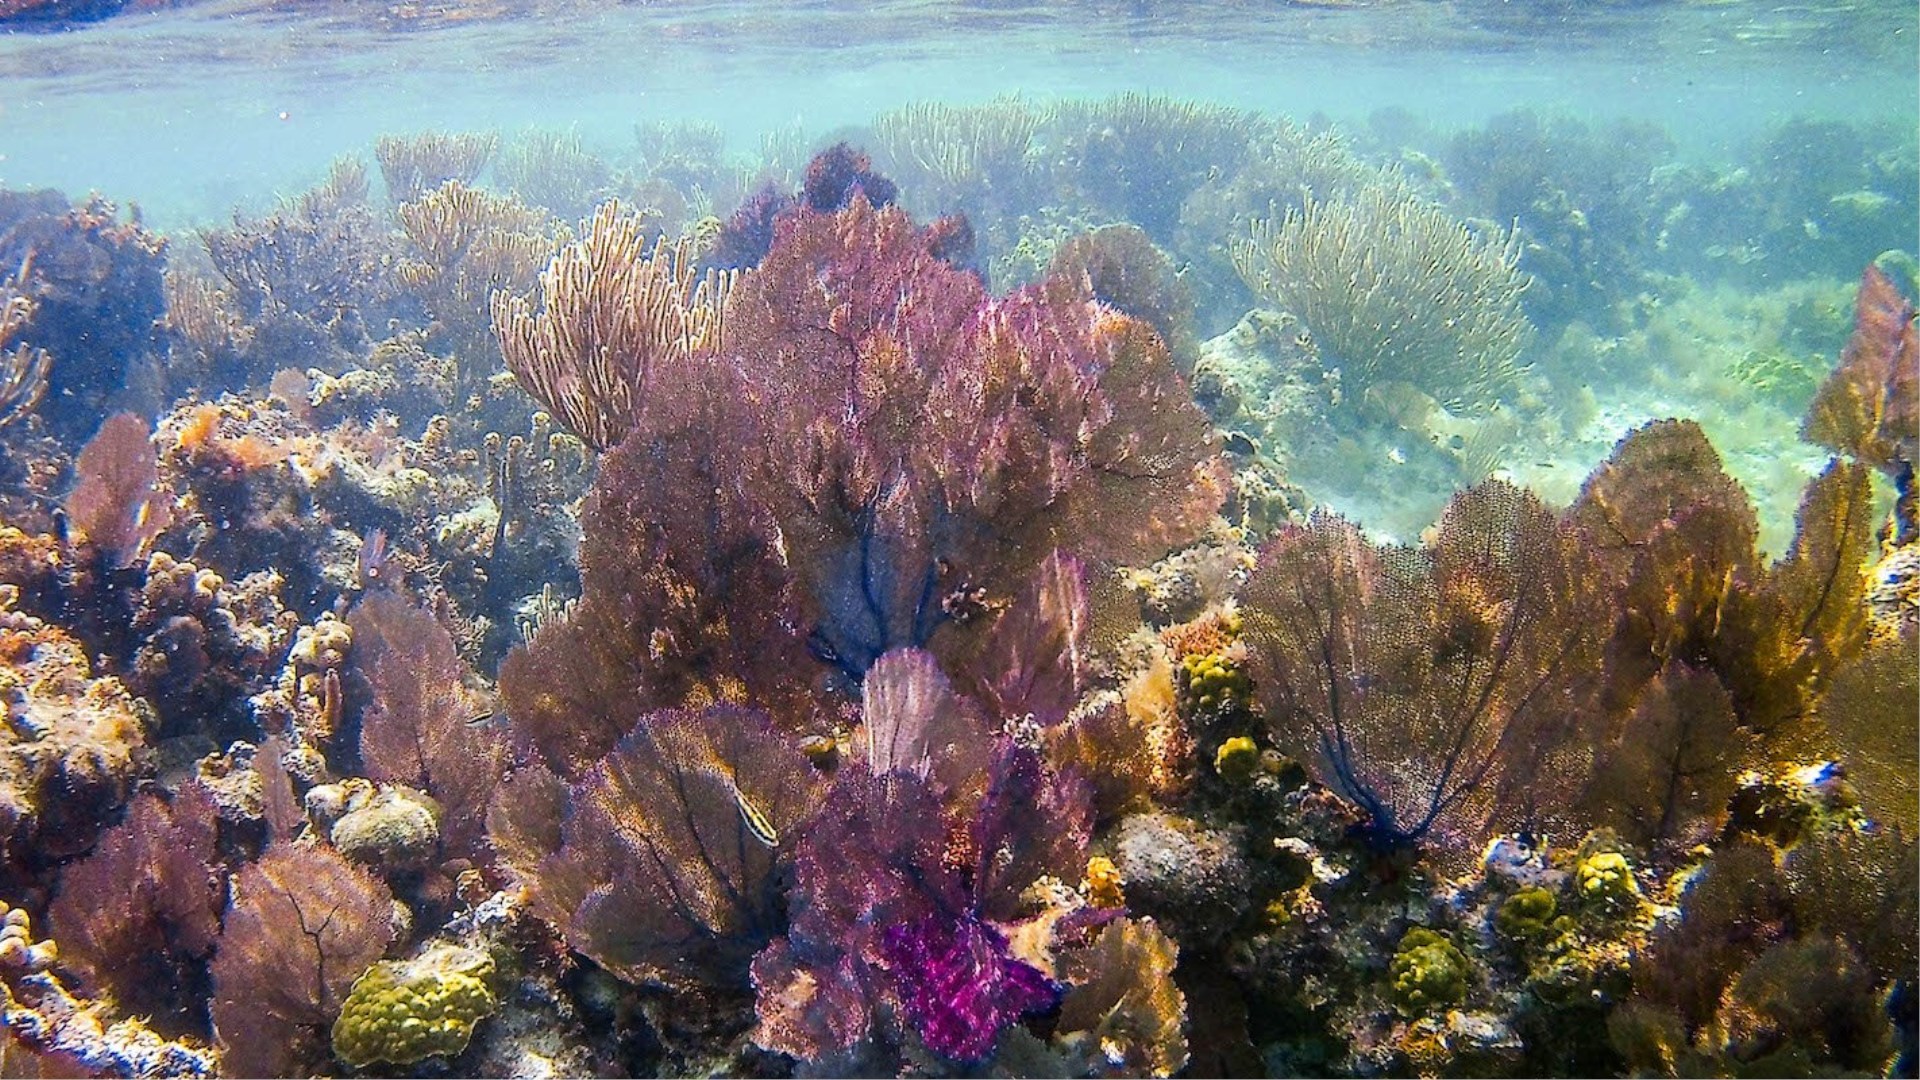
(893, 914)
(960, 986)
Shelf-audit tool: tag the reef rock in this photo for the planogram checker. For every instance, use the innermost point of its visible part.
(1193, 880)
(71, 746)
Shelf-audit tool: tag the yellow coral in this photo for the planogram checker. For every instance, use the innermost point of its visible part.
(402, 1012)
(1103, 886)
(1237, 759)
(1213, 682)
(1604, 880)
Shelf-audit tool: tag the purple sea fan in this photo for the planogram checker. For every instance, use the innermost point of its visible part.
(960, 985)
(895, 904)
(117, 500)
(928, 446)
(665, 861)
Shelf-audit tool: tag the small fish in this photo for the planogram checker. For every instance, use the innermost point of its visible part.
(754, 818)
(480, 719)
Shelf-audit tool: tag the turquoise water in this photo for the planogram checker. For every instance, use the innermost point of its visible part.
(187, 111)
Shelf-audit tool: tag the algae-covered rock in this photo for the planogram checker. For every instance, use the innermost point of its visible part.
(1604, 883)
(392, 829)
(1526, 915)
(404, 1011)
(71, 745)
(1192, 879)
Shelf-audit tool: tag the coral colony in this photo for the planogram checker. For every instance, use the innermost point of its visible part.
(829, 638)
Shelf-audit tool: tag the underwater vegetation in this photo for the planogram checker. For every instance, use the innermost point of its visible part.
(906, 620)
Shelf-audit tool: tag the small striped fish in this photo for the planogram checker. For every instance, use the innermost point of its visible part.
(754, 818)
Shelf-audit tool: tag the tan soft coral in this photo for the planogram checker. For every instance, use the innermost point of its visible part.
(72, 744)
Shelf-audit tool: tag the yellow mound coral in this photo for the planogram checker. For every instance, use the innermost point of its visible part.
(403, 1011)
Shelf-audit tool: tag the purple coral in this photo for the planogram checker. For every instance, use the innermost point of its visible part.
(837, 174)
(960, 985)
(895, 907)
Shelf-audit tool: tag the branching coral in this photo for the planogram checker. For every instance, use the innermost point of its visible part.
(953, 156)
(1394, 289)
(95, 286)
(1136, 156)
(413, 165)
(619, 325)
(23, 368)
(470, 243)
(307, 275)
(1432, 686)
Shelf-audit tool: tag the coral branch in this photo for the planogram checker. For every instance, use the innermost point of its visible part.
(619, 326)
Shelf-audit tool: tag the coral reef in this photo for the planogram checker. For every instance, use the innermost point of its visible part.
(62, 1034)
(823, 643)
(1394, 289)
(95, 286)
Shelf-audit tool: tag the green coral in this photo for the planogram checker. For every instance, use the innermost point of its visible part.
(1237, 759)
(1429, 973)
(1604, 883)
(1526, 915)
(1212, 682)
(402, 1012)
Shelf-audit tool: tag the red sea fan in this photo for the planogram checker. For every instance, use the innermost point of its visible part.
(117, 503)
